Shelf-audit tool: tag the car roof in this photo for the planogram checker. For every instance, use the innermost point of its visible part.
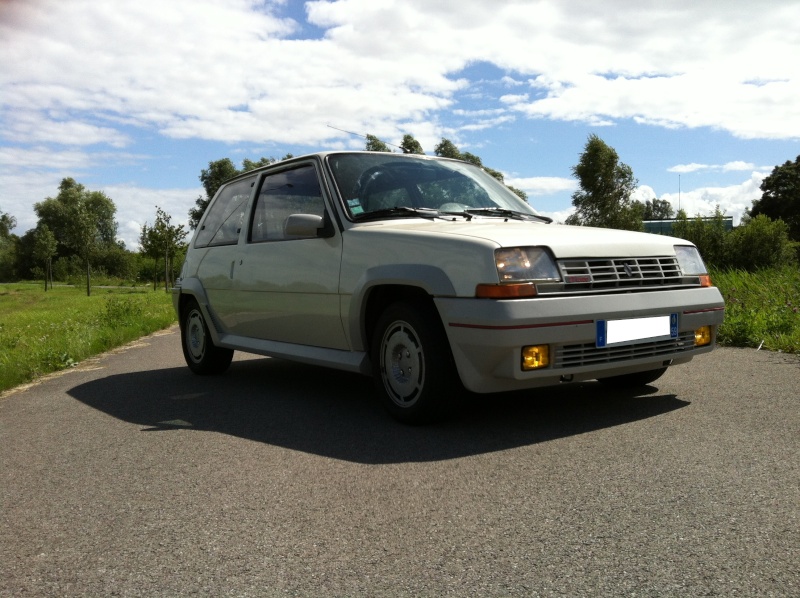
(321, 155)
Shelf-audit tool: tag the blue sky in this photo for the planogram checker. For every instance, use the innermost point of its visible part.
(135, 98)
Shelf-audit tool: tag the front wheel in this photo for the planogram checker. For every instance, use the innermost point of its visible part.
(412, 364)
(202, 355)
(634, 380)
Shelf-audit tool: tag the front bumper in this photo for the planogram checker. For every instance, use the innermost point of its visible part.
(487, 336)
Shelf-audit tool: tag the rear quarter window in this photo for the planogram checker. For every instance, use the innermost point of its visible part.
(223, 222)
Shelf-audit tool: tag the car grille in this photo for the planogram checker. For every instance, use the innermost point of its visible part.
(568, 356)
(608, 275)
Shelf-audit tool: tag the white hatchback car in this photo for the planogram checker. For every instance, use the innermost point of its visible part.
(429, 274)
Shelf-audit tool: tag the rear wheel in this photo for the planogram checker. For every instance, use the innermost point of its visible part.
(634, 380)
(412, 364)
(202, 355)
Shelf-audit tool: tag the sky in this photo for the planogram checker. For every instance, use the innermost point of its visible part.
(701, 98)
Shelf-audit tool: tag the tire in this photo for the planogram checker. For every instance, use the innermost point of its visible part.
(634, 380)
(202, 356)
(412, 364)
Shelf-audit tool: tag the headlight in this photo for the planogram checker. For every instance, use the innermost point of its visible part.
(518, 264)
(692, 264)
(690, 261)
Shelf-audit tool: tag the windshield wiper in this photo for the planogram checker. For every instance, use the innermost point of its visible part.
(400, 211)
(506, 213)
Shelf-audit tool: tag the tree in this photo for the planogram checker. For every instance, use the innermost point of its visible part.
(149, 248)
(376, 145)
(81, 236)
(7, 222)
(8, 244)
(44, 249)
(162, 240)
(780, 197)
(658, 209)
(217, 173)
(447, 149)
(606, 186)
(409, 145)
(171, 239)
(248, 164)
(81, 220)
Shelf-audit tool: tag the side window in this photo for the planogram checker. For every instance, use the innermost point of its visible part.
(224, 219)
(282, 194)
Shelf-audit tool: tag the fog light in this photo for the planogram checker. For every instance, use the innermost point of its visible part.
(535, 357)
(702, 336)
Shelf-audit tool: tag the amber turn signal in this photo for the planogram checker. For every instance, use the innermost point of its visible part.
(505, 291)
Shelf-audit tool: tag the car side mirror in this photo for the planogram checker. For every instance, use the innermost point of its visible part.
(307, 226)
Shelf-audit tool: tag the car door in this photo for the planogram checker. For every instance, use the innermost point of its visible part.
(219, 233)
(287, 286)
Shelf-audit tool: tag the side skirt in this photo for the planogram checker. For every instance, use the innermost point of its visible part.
(349, 361)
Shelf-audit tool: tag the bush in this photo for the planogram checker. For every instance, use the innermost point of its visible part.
(759, 243)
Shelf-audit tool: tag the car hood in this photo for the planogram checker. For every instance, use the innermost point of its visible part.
(564, 241)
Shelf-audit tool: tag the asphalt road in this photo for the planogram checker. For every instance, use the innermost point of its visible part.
(129, 476)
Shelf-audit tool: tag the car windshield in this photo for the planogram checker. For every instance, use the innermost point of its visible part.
(375, 185)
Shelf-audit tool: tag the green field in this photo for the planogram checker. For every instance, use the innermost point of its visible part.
(41, 332)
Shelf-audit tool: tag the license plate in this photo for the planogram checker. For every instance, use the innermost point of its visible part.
(612, 333)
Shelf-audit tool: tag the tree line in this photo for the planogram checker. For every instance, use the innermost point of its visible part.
(76, 237)
(76, 232)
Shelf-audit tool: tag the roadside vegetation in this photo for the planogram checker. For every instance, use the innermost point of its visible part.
(45, 332)
(762, 308)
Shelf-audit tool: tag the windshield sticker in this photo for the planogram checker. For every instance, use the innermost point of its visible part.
(355, 206)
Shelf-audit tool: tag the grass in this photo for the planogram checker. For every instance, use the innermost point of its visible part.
(762, 309)
(42, 332)
(45, 332)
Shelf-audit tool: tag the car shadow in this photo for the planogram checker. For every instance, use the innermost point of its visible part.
(334, 414)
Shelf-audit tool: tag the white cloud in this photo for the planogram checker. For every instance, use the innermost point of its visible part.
(489, 123)
(735, 166)
(511, 82)
(686, 168)
(644, 193)
(29, 127)
(229, 70)
(515, 100)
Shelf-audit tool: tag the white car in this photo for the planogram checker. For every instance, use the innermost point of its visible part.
(429, 274)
